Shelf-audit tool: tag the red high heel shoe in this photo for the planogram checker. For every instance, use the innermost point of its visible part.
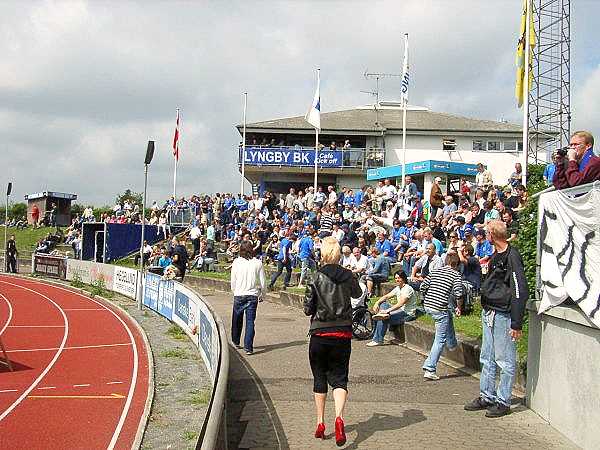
(340, 434)
(320, 432)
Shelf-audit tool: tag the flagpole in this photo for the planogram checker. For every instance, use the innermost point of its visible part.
(404, 102)
(317, 132)
(316, 157)
(526, 93)
(244, 145)
(176, 159)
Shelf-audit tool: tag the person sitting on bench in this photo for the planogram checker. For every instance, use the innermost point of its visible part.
(380, 271)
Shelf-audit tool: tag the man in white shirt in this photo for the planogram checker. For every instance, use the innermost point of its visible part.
(248, 287)
(389, 190)
(359, 263)
(310, 198)
(347, 258)
(331, 197)
(195, 234)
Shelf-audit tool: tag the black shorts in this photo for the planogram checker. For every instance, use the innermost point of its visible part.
(329, 361)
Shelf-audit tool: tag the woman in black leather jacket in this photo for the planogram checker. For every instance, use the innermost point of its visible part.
(327, 301)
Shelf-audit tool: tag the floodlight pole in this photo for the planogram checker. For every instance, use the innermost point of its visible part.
(147, 161)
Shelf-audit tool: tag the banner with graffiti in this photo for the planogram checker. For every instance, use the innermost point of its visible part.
(570, 251)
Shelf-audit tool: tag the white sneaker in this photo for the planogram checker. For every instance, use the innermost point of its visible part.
(380, 316)
(374, 344)
(430, 376)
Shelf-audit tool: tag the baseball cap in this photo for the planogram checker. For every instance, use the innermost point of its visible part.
(469, 229)
(438, 178)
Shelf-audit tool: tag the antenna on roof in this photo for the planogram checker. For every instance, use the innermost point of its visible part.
(377, 76)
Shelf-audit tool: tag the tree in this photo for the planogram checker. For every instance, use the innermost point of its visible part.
(17, 210)
(133, 197)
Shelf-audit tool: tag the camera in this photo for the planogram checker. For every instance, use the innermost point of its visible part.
(562, 151)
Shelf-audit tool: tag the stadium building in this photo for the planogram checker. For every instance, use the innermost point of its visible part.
(280, 153)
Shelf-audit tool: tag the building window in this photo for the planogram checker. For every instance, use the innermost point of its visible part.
(449, 144)
(479, 146)
(510, 146)
(493, 146)
(520, 146)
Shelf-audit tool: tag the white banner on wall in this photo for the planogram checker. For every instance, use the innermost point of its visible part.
(125, 281)
(90, 272)
(570, 251)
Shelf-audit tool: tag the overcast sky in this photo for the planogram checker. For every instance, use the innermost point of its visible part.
(84, 85)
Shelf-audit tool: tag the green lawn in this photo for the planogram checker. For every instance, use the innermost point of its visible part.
(26, 239)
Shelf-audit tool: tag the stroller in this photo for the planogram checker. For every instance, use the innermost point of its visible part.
(362, 320)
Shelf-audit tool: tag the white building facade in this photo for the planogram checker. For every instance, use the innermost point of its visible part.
(437, 144)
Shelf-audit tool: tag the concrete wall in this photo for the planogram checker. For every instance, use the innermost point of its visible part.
(563, 367)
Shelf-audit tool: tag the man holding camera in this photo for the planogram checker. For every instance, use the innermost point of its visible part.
(578, 165)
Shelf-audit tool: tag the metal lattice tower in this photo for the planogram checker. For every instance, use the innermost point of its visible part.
(550, 95)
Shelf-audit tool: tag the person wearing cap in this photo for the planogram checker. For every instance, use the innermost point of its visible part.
(436, 197)
(511, 200)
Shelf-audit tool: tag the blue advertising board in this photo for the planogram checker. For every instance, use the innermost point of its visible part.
(151, 291)
(182, 307)
(205, 334)
(166, 299)
(290, 156)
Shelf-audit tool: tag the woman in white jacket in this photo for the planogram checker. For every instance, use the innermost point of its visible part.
(248, 286)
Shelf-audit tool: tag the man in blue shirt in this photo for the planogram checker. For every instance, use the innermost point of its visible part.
(385, 247)
(305, 254)
(358, 197)
(348, 198)
(284, 261)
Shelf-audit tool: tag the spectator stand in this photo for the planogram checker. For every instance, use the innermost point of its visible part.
(44, 201)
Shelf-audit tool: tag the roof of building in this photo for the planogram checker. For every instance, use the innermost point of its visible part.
(390, 120)
(51, 194)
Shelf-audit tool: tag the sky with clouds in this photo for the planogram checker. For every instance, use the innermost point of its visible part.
(85, 84)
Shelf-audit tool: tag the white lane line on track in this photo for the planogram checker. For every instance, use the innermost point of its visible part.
(35, 326)
(81, 385)
(51, 363)
(132, 386)
(83, 309)
(9, 390)
(10, 314)
(115, 382)
(46, 387)
(67, 348)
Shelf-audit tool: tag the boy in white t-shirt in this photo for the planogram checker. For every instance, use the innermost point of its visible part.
(402, 310)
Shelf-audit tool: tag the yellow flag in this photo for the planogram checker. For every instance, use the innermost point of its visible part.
(521, 90)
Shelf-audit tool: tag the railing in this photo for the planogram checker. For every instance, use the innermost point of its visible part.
(181, 216)
(296, 156)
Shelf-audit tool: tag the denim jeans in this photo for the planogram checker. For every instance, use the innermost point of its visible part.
(288, 272)
(247, 304)
(306, 264)
(396, 318)
(497, 348)
(444, 335)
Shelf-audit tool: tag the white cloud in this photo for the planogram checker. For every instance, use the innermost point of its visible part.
(84, 85)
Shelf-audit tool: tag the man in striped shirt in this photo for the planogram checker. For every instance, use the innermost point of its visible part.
(442, 290)
(326, 224)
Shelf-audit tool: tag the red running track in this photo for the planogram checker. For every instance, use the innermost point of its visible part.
(80, 375)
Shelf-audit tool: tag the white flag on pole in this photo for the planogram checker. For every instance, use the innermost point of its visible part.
(313, 116)
(405, 73)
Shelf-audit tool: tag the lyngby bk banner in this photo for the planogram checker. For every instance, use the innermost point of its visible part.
(286, 156)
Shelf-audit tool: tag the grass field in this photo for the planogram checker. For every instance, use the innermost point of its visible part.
(26, 239)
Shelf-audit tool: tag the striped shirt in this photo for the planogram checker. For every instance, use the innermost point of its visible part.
(440, 286)
(326, 222)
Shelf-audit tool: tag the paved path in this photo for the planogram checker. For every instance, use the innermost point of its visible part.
(271, 403)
